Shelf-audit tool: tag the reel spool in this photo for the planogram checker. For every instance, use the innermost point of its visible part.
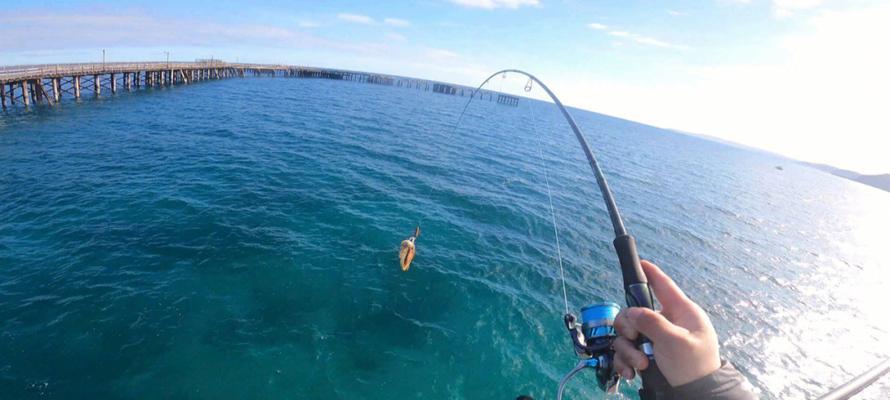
(592, 342)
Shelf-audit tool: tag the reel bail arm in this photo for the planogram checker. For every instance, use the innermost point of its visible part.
(581, 348)
(592, 363)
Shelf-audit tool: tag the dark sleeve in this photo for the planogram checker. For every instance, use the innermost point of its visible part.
(725, 383)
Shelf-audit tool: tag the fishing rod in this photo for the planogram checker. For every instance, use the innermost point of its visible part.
(859, 383)
(592, 338)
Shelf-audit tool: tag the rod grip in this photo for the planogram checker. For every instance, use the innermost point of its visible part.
(631, 270)
(655, 385)
(638, 294)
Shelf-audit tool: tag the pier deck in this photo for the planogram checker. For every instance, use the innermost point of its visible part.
(28, 85)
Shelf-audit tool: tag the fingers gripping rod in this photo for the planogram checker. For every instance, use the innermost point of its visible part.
(636, 287)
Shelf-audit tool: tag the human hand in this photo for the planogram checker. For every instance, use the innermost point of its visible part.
(683, 340)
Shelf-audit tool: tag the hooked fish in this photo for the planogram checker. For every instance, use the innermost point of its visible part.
(407, 251)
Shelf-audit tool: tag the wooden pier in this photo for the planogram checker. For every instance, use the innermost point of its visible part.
(508, 100)
(28, 85)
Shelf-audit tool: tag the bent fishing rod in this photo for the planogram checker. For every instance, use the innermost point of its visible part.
(592, 338)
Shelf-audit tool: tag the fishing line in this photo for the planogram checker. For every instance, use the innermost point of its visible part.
(608, 198)
(562, 274)
(553, 218)
(443, 155)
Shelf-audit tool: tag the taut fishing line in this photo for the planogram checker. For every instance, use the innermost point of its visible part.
(562, 274)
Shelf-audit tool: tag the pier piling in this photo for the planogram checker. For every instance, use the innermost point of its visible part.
(41, 92)
(25, 95)
(57, 89)
(32, 87)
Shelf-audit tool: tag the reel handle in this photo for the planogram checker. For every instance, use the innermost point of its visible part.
(638, 294)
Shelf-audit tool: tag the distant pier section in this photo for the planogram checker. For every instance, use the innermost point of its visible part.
(28, 85)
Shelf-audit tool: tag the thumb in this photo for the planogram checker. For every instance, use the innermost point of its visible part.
(649, 323)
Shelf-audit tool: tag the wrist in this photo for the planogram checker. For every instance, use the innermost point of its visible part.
(725, 382)
(695, 368)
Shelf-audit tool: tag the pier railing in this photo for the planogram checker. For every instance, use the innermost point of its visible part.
(36, 71)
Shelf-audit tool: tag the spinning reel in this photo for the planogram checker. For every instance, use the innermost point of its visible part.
(592, 341)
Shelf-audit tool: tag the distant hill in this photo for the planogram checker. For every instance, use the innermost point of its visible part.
(881, 181)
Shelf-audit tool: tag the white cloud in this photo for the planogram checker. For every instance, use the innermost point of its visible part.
(597, 26)
(657, 43)
(308, 24)
(22, 30)
(395, 37)
(492, 4)
(400, 23)
(356, 18)
(440, 54)
(675, 13)
(80, 33)
(646, 40)
(787, 8)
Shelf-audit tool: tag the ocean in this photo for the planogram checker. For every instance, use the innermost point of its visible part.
(238, 239)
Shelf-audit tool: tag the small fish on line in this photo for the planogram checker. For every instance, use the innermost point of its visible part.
(407, 251)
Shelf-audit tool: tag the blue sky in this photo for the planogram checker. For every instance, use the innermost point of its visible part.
(805, 78)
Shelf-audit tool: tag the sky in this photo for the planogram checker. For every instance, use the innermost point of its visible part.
(809, 79)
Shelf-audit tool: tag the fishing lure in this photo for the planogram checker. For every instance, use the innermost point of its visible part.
(407, 251)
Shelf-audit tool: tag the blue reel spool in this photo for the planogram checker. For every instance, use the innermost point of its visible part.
(597, 320)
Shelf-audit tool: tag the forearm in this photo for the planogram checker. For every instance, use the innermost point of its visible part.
(726, 383)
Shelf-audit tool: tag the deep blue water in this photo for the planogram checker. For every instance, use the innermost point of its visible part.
(238, 239)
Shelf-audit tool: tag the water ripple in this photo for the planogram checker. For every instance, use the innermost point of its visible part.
(146, 238)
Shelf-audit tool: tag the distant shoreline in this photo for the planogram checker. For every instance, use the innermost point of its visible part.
(880, 181)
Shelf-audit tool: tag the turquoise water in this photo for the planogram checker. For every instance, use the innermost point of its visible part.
(238, 239)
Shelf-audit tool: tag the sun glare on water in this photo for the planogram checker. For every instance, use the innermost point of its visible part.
(849, 309)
